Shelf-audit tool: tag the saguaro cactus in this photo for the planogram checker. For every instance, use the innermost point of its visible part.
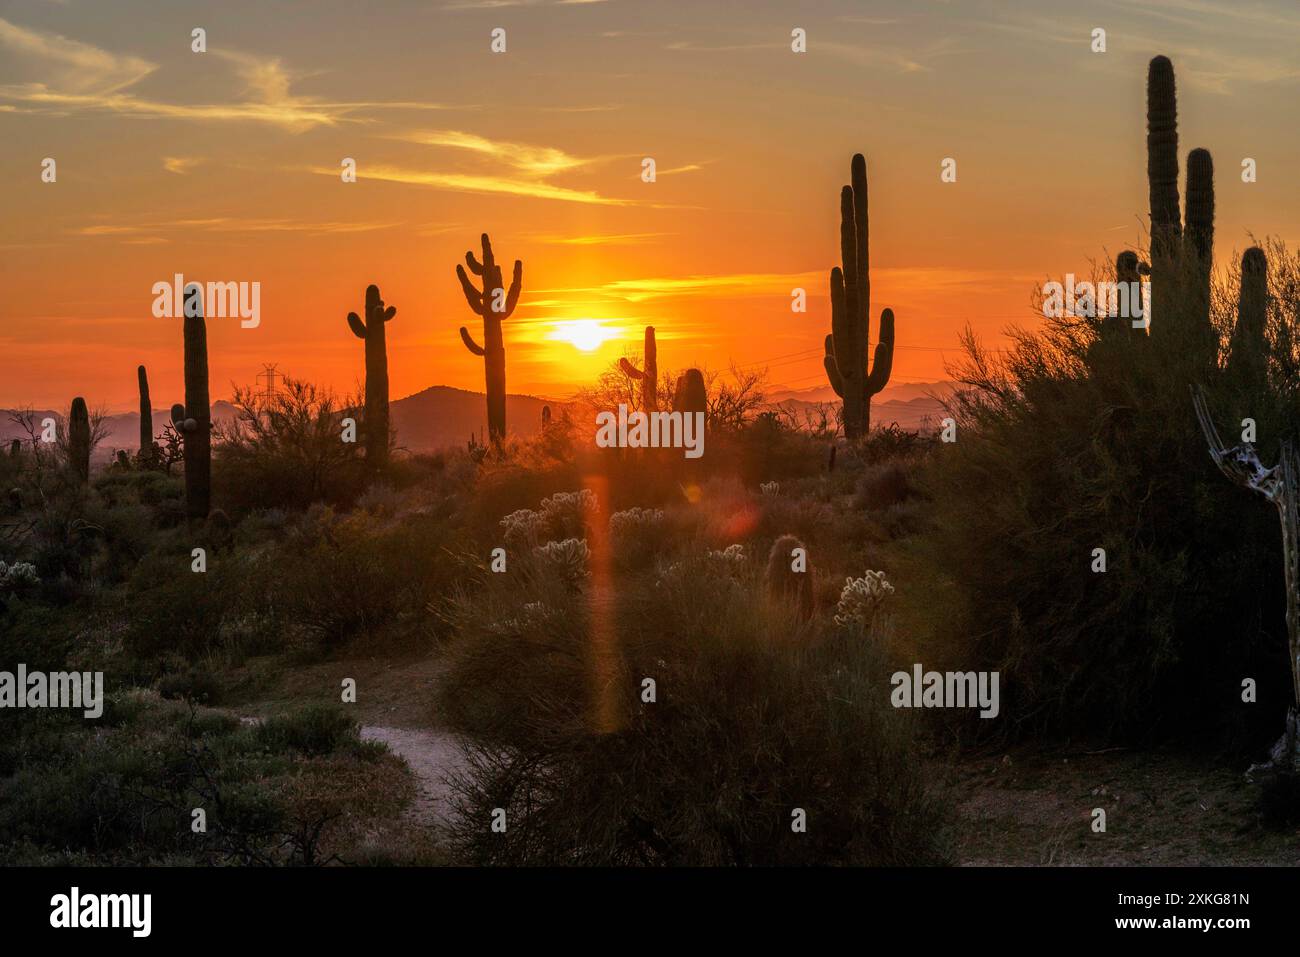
(494, 304)
(1248, 349)
(849, 343)
(79, 440)
(1181, 260)
(649, 378)
(193, 420)
(371, 330)
(146, 416)
(690, 395)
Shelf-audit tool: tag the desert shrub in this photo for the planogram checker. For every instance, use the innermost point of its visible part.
(886, 483)
(286, 451)
(313, 729)
(1076, 441)
(337, 580)
(123, 791)
(753, 716)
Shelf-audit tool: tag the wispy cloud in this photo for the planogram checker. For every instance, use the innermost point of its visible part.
(478, 183)
(227, 224)
(180, 164)
(764, 285)
(70, 65)
(76, 76)
(498, 4)
(538, 161)
(617, 239)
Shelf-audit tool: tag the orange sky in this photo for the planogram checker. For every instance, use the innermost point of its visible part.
(224, 166)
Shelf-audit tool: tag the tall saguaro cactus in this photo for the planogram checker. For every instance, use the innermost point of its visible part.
(193, 420)
(79, 440)
(1181, 259)
(849, 343)
(371, 331)
(146, 416)
(649, 378)
(1248, 348)
(494, 304)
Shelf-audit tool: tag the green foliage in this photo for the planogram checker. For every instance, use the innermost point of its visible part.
(756, 714)
(299, 790)
(1077, 441)
(286, 451)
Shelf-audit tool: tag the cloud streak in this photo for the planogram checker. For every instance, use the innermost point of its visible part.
(76, 77)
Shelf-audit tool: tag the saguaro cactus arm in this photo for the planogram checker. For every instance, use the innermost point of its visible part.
(649, 379)
(470, 344)
(884, 363)
(832, 369)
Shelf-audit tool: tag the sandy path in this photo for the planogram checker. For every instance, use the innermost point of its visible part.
(431, 755)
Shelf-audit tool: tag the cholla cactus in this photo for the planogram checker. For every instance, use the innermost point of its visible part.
(632, 520)
(770, 488)
(18, 577)
(568, 558)
(565, 513)
(531, 614)
(583, 500)
(637, 533)
(731, 555)
(861, 597)
(523, 527)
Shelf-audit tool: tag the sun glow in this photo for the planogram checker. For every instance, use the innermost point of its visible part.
(585, 335)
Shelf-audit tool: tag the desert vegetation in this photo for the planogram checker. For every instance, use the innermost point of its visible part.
(646, 660)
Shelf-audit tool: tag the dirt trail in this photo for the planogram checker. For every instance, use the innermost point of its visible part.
(432, 755)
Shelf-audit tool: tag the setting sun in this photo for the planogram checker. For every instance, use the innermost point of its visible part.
(585, 335)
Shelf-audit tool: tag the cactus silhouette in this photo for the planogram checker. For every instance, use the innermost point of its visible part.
(371, 330)
(546, 417)
(146, 416)
(1181, 260)
(193, 420)
(649, 378)
(784, 584)
(690, 395)
(79, 440)
(1248, 348)
(494, 304)
(849, 343)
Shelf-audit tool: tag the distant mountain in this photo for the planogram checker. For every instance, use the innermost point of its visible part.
(123, 428)
(441, 416)
(913, 405)
(910, 414)
(901, 392)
